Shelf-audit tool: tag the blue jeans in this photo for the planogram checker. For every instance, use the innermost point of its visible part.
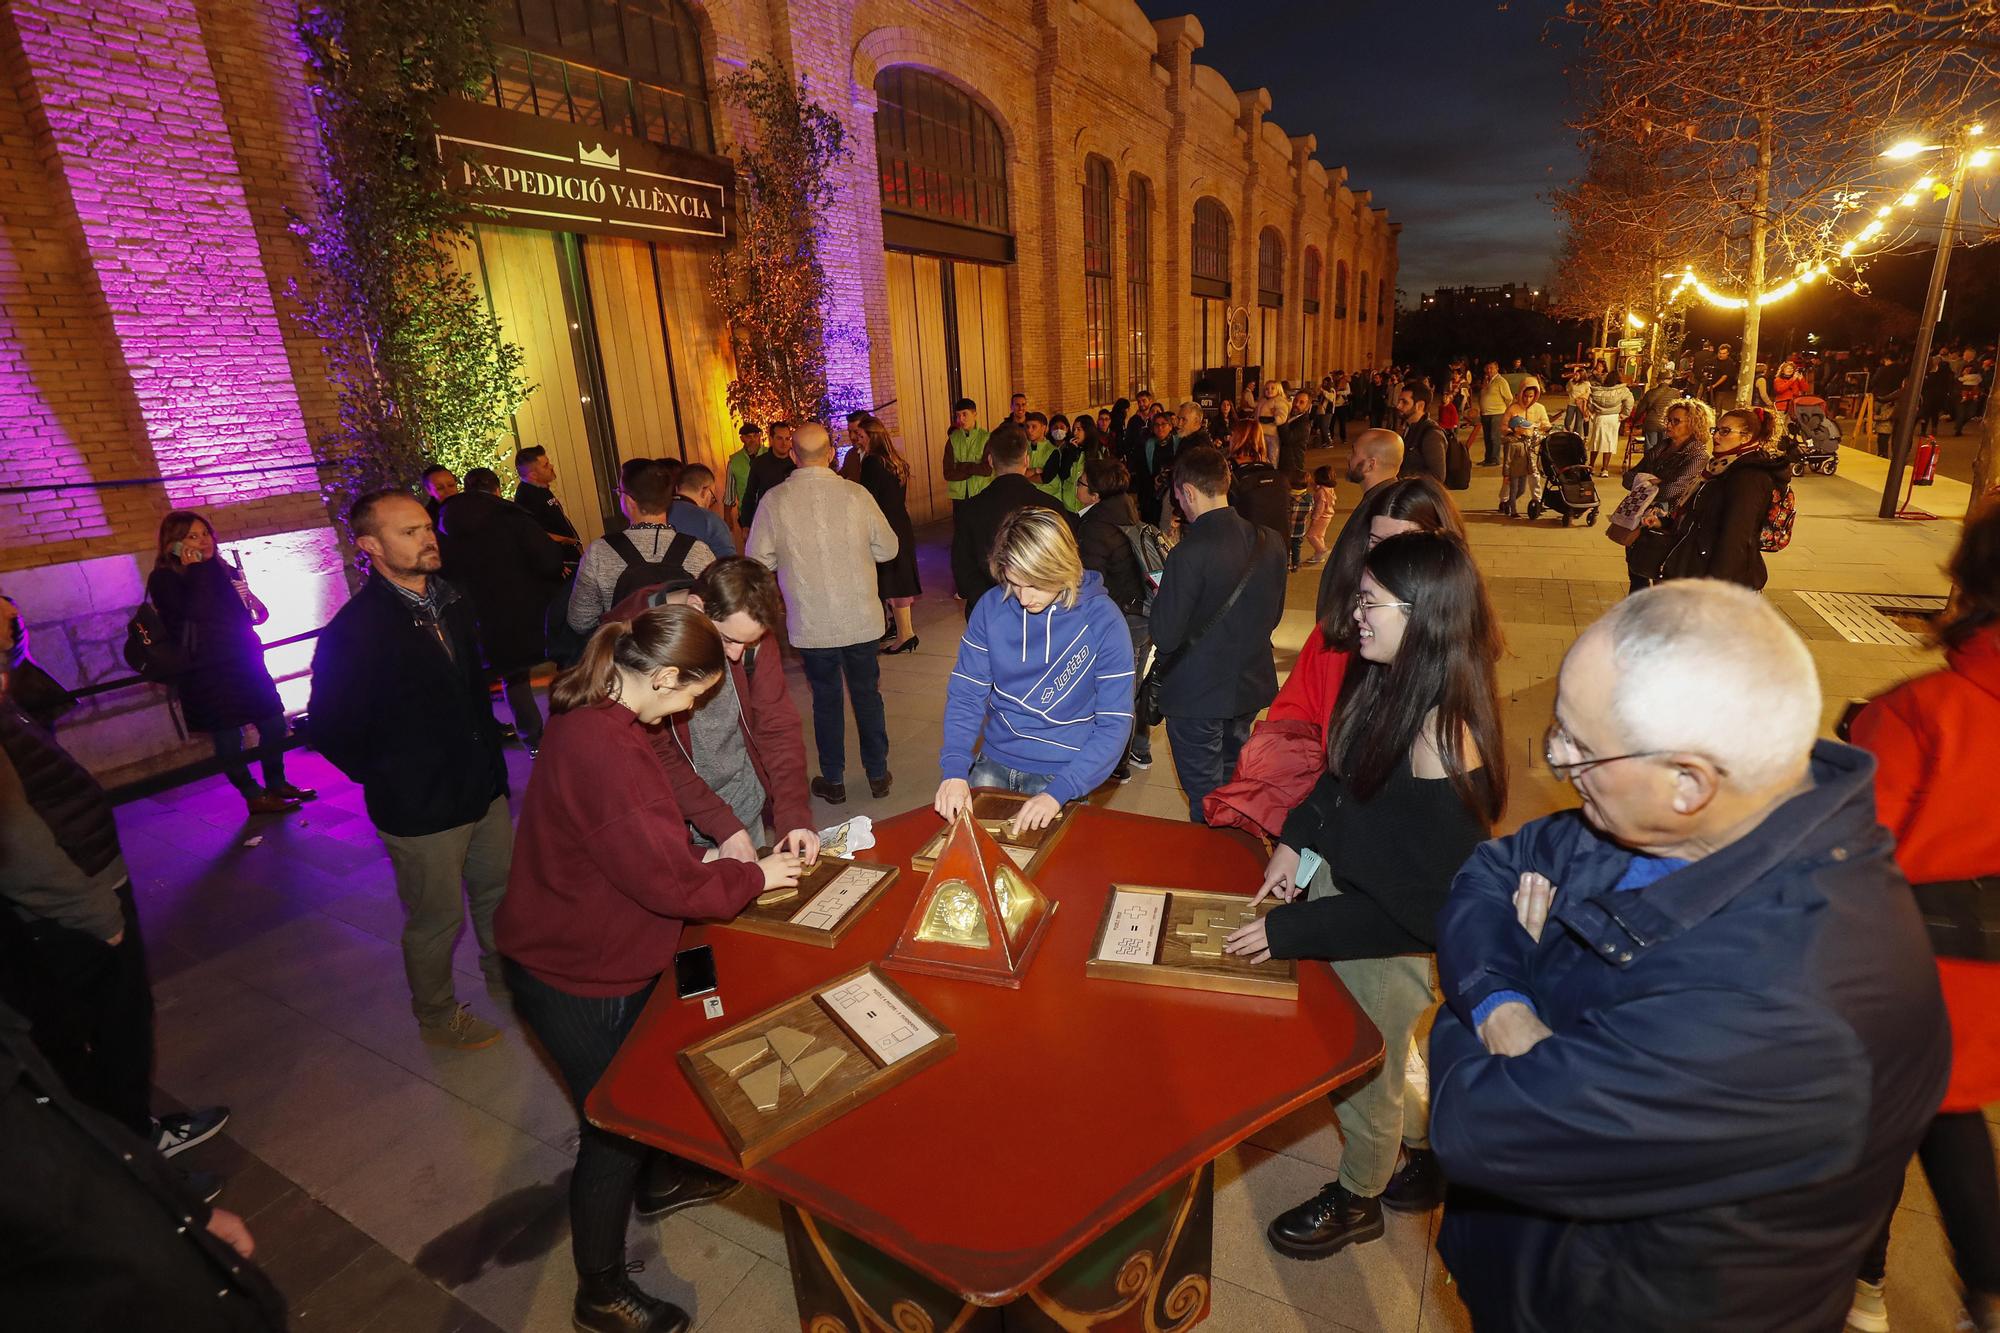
(271, 732)
(1141, 746)
(987, 773)
(1205, 751)
(862, 665)
(1490, 427)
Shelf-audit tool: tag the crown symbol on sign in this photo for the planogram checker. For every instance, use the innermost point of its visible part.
(597, 157)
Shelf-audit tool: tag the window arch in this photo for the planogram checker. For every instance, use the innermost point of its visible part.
(1309, 281)
(940, 154)
(1340, 289)
(1381, 300)
(1361, 298)
(1210, 251)
(1270, 268)
(1097, 318)
(631, 66)
(1139, 280)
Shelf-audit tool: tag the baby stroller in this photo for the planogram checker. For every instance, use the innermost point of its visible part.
(1565, 485)
(1816, 436)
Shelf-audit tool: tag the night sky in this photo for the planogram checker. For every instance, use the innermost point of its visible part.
(1451, 111)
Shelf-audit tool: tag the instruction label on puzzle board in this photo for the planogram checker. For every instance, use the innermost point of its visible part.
(1134, 933)
(878, 1018)
(836, 900)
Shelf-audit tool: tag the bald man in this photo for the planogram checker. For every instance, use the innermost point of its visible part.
(1373, 460)
(1692, 1032)
(817, 529)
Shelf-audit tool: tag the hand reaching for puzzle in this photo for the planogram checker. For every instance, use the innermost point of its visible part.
(1039, 812)
(1278, 876)
(781, 870)
(954, 795)
(1250, 942)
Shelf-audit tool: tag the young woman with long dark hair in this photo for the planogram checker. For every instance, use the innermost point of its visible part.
(885, 474)
(604, 877)
(210, 612)
(1416, 777)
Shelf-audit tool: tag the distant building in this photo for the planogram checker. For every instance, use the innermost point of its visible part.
(1465, 300)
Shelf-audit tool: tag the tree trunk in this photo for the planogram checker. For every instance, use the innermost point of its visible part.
(1760, 228)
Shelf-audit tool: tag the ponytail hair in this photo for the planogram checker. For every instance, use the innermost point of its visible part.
(665, 636)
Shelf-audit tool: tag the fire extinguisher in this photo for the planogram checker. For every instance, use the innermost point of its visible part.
(1923, 467)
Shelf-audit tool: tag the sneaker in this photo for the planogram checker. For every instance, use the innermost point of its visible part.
(879, 787)
(1417, 1186)
(1122, 773)
(1869, 1313)
(181, 1130)
(1139, 761)
(1325, 1224)
(463, 1031)
(611, 1302)
(833, 793)
(204, 1185)
(671, 1185)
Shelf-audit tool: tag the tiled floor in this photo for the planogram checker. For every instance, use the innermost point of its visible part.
(281, 993)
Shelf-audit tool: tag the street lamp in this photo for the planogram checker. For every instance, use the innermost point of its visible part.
(1965, 157)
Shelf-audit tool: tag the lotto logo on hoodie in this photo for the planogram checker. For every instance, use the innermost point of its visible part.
(1078, 660)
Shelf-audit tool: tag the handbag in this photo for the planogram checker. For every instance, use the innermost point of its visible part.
(150, 650)
(1148, 703)
(1962, 917)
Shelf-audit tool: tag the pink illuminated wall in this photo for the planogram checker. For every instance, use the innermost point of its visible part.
(132, 107)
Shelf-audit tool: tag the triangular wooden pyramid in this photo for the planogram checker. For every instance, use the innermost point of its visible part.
(978, 916)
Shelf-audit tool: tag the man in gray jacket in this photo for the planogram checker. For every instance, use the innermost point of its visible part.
(824, 535)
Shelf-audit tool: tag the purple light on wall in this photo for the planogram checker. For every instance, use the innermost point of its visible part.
(132, 103)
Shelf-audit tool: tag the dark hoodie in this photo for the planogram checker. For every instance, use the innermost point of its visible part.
(1716, 535)
(510, 569)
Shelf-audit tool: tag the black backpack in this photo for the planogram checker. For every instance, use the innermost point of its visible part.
(150, 650)
(1457, 462)
(670, 569)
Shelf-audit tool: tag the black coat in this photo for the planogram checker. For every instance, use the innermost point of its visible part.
(99, 1231)
(1261, 494)
(977, 523)
(1106, 549)
(414, 727)
(226, 685)
(542, 504)
(1296, 436)
(1716, 533)
(1424, 452)
(1229, 672)
(511, 569)
(1148, 479)
(896, 576)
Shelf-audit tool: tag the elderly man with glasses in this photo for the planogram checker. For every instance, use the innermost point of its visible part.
(1692, 1032)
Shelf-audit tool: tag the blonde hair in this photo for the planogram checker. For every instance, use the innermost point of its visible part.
(1034, 546)
(1700, 413)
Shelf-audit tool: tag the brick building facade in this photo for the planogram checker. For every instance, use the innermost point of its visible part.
(1029, 223)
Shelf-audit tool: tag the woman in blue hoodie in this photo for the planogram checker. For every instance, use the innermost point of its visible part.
(1043, 681)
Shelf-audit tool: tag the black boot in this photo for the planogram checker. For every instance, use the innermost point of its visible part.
(609, 1302)
(672, 1183)
(1417, 1186)
(1325, 1224)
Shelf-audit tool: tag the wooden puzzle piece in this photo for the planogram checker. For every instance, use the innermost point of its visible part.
(814, 1069)
(772, 897)
(1206, 931)
(760, 1085)
(733, 1060)
(789, 1043)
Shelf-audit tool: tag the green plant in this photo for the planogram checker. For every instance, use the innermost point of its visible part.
(770, 286)
(419, 365)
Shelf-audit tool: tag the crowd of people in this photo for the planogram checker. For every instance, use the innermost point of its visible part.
(1691, 1033)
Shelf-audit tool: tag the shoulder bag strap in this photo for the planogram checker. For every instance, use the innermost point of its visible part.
(1167, 663)
(627, 552)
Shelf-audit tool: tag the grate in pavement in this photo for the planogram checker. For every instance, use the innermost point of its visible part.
(1864, 617)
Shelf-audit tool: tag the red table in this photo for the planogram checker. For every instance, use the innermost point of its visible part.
(1072, 1105)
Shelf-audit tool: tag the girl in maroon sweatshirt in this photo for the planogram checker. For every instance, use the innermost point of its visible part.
(604, 875)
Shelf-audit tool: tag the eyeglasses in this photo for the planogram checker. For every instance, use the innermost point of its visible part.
(1729, 430)
(1361, 603)
(1569, 770)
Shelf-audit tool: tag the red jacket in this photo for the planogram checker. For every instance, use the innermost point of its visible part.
(604, 872)
(771, 732)
(1286, 753)
(1936, 741)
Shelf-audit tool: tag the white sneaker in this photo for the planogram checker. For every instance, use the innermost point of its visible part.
(1868, 1314)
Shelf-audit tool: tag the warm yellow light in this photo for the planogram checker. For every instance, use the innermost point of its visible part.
(1907, 149)
(1871, 231)
(1975, 130)
(1809, 276)
(1632, 321)
(1925, 182)
(1847, 248)
(1981, 158)
(1908, 200)
(1882, 212)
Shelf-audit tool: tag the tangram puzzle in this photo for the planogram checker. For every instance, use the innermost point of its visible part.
(763, 1083)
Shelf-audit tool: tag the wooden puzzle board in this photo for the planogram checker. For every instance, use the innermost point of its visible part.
(993, 809)
(826, 905)
(883, 1038)
(1172, 937)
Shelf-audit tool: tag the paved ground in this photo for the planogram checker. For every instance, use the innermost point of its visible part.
(396, 1187)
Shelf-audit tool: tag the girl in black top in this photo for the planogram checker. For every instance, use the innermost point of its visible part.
(1416, 778)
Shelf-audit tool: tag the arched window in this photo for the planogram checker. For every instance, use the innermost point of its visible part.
(1309, 280)
(1097, 320)
(1361, 298)
(631, 66)
(1139, 280)
(1270, 268)
(1381, 301)
(1210, 251)
(1340, 289)
(940, 154)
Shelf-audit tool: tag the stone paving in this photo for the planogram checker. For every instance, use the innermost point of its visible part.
(281, 993)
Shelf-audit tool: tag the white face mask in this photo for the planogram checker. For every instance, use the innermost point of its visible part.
(1059, 433)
